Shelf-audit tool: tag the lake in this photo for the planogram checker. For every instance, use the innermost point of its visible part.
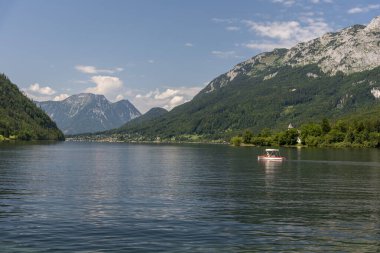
(117, 197)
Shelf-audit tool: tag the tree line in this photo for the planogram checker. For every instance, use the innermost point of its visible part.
(342, 133)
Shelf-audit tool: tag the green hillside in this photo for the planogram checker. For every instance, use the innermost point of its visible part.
(21, 119)
(251, 103)
(334, 76)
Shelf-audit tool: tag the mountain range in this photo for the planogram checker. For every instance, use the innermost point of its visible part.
(332, 76)
(86, 113)
(21, 119)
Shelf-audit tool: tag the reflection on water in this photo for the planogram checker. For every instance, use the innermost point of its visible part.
(271, 168)
(200, 198)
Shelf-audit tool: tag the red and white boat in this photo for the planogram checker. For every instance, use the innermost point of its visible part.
(271, 155)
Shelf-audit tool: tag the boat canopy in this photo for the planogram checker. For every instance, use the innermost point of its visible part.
(271, 150)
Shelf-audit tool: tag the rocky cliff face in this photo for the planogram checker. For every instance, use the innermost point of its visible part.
(353, 49)
(87, 112)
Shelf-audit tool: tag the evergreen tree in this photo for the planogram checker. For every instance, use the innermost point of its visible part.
(325, 126)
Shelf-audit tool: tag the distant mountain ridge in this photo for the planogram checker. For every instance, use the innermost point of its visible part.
(353, 49)
(329, 77)
(87, 113)
(21, 119)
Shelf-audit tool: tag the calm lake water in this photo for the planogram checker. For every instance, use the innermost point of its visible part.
(104, 197)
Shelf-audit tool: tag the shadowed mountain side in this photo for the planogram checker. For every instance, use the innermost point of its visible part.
(21, 119)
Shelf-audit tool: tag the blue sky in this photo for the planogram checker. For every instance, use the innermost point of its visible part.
(153, 52)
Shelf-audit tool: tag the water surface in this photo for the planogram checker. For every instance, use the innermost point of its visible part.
(103, 197)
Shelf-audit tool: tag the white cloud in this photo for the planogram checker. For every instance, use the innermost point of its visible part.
(287, 30)
(224, 20)
(355, 10)
(119, 97)
(287, 3)
(175, 101)
(286, 33)
(188, 44)
(225, 54)
(86, 69)
(364, 9)
(166, 94)
(39, 93)
(279, 30)
(321, 1)
(151, 61)
(81, 81)
(232, 28)
(35, 88)
(61, 97)
(147, 95)
(267, 45)
(110, 86)
(168, 98)
(94, 70)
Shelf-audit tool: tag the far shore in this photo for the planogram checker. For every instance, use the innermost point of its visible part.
(215, 142)
(242, 145)
(146, 142)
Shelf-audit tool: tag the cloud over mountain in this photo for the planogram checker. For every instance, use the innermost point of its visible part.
(94, 70)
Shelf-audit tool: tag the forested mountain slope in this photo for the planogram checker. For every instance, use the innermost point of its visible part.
(329, 77)
(21, 119)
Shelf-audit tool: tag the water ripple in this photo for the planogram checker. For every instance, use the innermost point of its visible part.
(88, 197)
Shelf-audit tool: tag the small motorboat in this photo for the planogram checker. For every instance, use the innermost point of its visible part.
(271, 155)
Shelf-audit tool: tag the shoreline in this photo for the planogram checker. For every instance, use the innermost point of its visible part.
(243, 145)
(148, 142)
(338, 145)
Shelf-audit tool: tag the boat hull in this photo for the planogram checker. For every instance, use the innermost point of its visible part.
(271, 158)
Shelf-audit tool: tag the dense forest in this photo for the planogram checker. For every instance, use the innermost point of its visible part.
(21, 119)
(349, 132)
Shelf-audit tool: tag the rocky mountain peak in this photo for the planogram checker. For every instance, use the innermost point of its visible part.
(123, 101)
(84, 98)
(352, 49)
(86, 112)
(374, 25)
